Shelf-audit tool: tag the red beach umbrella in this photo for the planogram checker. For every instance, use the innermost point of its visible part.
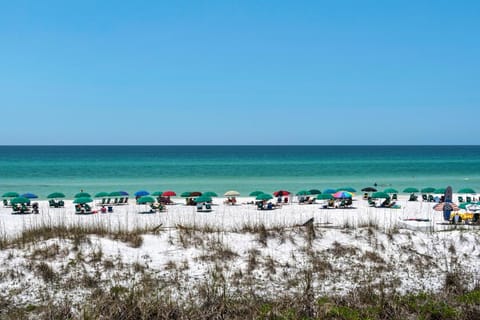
(281, 193)
(169, 193)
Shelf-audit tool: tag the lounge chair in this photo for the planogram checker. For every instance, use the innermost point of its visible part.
(365, 196)
(394, 196)
(5, 202)
(413, 197)
(424, 197)
(52, 203)
(430, 198)
(460, 199)
(468, 199)
(60, 204)
(371, 203)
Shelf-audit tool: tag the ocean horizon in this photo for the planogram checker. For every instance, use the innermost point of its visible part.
(245, 168)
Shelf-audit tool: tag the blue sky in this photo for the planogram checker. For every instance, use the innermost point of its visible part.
(240, 72)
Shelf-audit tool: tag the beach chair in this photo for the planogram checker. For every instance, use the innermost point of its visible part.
(413, 197)
(394, 196)
(460, 199)
(120, 201)
(424, 197)
(52, 203)
(104, 200)
(430, 198)
(371, 203)
(16, 209)
(365, 196)
(259, 205)
(5, 202)
(108, 201)
(115, 201)
(468, 199)
(60, 204)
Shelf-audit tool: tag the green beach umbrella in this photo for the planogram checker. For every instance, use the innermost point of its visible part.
(380, 195)
(145, 200)
(186, 194)
(83, 195)
(314, 191)
(11, 194)
(467, 190)
(410, 190)
(348, 189)
(439, 190)
(390, 190)
(19, 200)
(159, 193)
(210, 194)
(82, 200)
(203, 198)
(56, 195)
(303, 193)
(264, 196)
(255, 193)
(324, 196)
(428, 190)
(101, 195)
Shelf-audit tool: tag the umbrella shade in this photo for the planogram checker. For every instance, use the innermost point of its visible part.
(102, 194)
(203, 198)
(82, 195)
(439, 190)
(210, 194)
(314, 191)
(115, 194)
(303, 193)
(380, 195)
(195, 194)
(324, 196)
(348, 189)
(342, 195)
(141, 193)
(390, 190)
(281, 193)
(264, 196)
(185, 194)
(169, 193)
(20, 200)
(10, 195)
(329, 191)
(82, 200)
(428, 190)
(255, 193)
(29, 195)
(124, 193)
(56, 195)
(445, 206)
(158, 193)
(467, 190)
(369, 189)
(410, 190)
(145, 199)
(232, 193)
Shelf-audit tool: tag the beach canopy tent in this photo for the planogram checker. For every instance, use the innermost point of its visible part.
(467, 191)
(232, 193)
(369, 189)
(82, 195)
(141, 193)
(20, 200)
(410, 190)
(10, 194)
(169, 193)
(342, 195)
(440, 190)
(380, 195)
(329, 191)
(145, 200)
(56, 195)
(82, 200)
(314, 191)
(210, 194)
(264, 196)
(29, 195)
(324, 196)
(255, 193)
(157, 193)
(428, 190)
(102, 194)
(203, 198)
(281, 193)
(348, 189)
(390, 190)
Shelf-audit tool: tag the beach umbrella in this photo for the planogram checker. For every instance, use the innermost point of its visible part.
(324, 196)
(303, 193)
(264, 196)
(410, 190)
(10, 195)
(440, 190)
(314, 191)
(210, 194)
(342, 195)
(124, 193)
(195, 194)
(445, 206)
(329, 191)
(19, 200)
(102, 194)
(141, 193)
(82, 200)
(29, 195)
(428, 190)
(185, 194)
(380, 195)
(203, 198)
(281, 193)
(169, 193)
(390, 190)
(56, 195)
(467, 191)
(369, 189)
(158, 193)
(115, 194)
(145, 200)
(232, 193)
(82, 195)
(348, 189)
(255, 193)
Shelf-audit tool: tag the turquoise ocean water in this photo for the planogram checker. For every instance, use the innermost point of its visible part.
(45, 169)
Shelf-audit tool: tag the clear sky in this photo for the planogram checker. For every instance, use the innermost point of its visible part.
(240, 72)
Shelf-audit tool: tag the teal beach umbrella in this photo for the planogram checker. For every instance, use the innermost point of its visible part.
(390, 190)
(83, 195)
(428, 190)
(10, 195)
(255, 193)
(56, 195)
(380, 195)
(210, 194)
(324, 196)
(20, 200)
(410, 190)
(145, 200)
(264, 196)
(158, 193)
(82, 200)
(203, 198)
(101, 195)
(467, 191)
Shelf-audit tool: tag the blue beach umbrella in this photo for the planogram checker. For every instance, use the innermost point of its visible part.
(329, 191)
(141, 193)
(29, 195)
